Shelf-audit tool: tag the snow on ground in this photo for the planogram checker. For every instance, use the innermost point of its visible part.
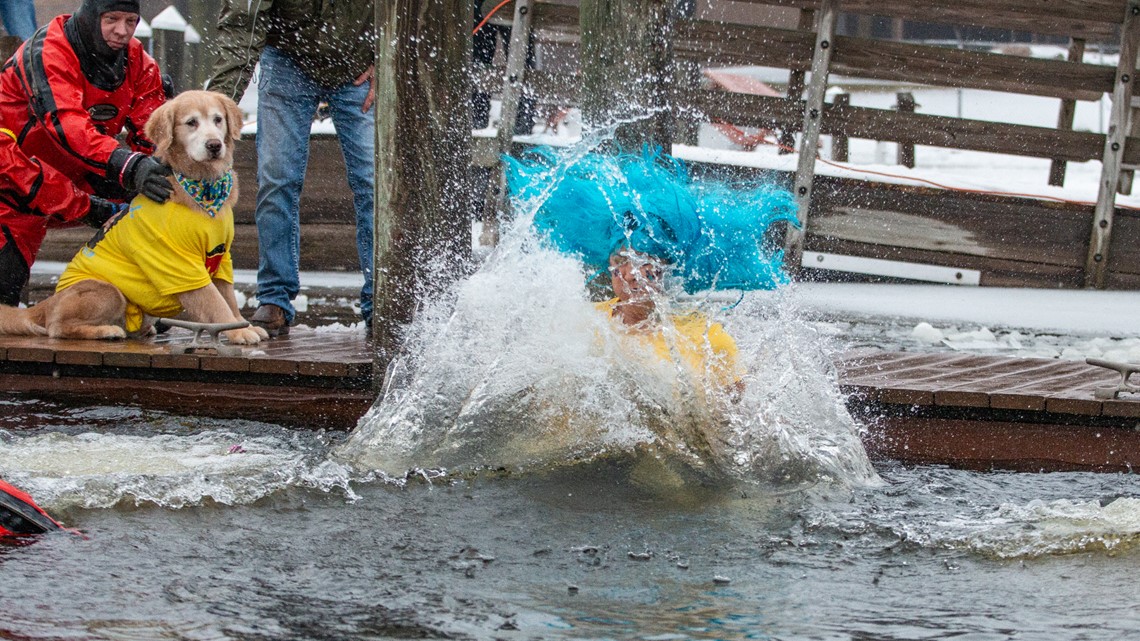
(1067, 324)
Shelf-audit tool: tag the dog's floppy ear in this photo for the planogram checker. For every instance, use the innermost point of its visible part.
(160, 129)
(233, 118)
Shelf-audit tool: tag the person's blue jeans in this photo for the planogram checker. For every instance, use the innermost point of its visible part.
(19, 17)
(287, 100)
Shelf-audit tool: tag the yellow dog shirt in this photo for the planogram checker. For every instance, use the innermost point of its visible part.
(153, 252)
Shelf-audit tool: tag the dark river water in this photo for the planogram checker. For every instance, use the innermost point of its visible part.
(200, 529)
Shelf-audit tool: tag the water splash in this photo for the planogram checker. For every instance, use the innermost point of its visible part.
(515, 368)
(103, 470)
(995, 515)
(1038, 528)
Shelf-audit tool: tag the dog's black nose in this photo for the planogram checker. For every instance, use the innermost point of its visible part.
(214, 147)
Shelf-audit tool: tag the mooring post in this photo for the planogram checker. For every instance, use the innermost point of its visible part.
(686, 125)
(1127, 173)
(169, 38)
(627, 68)
(1065, 115)
(840, 143)
(905, 103)
(195, 69)
(1100, 239)
(514, 85)
(796, 79)
(813, 123)
(423, 152)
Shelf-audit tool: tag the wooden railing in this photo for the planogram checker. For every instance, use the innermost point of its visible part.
(1037, 245)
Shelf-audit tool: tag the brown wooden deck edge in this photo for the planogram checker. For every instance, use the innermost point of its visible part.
(871, 411)
(1022, 447)
(31, 354)
(301, 408)
(163, 378)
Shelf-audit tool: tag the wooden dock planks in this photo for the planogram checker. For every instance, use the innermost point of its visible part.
(308, 379)
(992, 412)
(975, 411)
(983, 382)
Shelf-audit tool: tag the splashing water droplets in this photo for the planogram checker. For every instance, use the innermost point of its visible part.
(517, 368)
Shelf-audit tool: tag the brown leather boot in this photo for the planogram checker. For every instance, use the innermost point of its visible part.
(271, 318)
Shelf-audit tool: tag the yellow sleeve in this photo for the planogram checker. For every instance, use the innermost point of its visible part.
(724, 351)
(225, 269)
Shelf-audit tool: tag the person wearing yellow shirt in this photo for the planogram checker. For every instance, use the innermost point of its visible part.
(642, 217)
(702, 346)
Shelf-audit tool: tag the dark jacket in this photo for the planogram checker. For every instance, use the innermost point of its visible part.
(330, 40)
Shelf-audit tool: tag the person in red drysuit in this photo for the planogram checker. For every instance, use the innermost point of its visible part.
(74, 86)
(33, 197)
(65, 95)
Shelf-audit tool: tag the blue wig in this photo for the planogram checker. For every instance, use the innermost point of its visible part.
(712, 233)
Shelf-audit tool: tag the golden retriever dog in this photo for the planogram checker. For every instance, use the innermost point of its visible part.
(158, 260)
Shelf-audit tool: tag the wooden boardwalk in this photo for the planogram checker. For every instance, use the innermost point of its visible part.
(991, 412)
(307, 379)
(965, 410)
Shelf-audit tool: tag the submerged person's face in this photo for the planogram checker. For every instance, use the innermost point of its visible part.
(635, 277)
(118, 28)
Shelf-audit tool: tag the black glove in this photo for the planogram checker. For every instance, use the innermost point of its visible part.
(101, 211)
(148, 177)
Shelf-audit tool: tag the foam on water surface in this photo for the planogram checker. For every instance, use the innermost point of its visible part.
(102, 470)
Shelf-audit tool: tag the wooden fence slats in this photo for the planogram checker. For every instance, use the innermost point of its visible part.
(1094, 19)
(717, 43)
(948, 67)
(920, 129)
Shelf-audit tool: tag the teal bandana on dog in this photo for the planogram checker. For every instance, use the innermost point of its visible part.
(210, 195)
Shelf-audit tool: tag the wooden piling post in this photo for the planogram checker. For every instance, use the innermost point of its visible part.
(423, 151)
(796, 85)
(195, 70)
(1100, 239)
(840, 143)
(1065, 115)
(904, 103)
(626, 69)
(514, 84)
(1127, 173)
(813, 120)
(169, 41)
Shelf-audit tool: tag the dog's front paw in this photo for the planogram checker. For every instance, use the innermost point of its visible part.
(264, 335)
(109, 332)
(244, 336)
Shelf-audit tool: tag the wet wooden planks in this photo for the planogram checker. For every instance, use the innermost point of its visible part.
(308, 379)
(972, 411)
(983, 382)
(304, 353)
(991, 412)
